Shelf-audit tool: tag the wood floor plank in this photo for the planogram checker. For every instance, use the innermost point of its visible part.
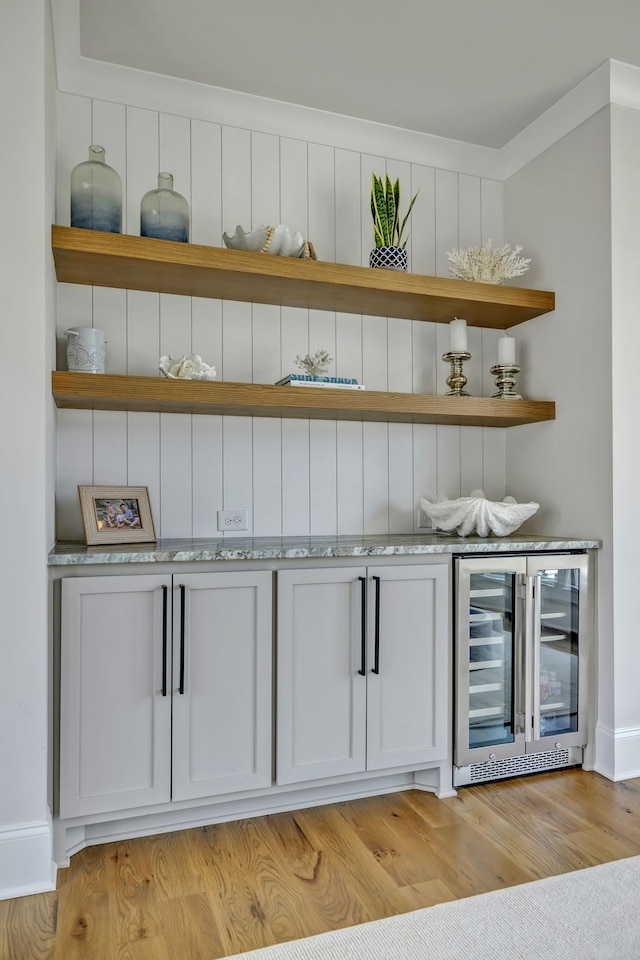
(28, 927)
(215, 891)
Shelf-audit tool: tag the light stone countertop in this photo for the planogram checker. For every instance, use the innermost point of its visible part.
(278, 548)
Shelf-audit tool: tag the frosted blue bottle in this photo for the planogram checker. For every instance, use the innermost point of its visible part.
(96, 194)
(164, 214)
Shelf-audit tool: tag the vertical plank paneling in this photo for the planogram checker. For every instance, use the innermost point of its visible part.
(143, 459)
(446, 216)
(175, 158)
(265, 207)
(237, 475)
(492, 206)
(267, 477)
(207, 474)
(109, 309)
(73, 142)
(471, 460)
(401, 500)
(295, 477)
(143, 314)
(425, 465)
(236, 209)
(206, 183)
(176, 441)
(423, 221)
(470, 234)
(349, 444)
(323, 487)
(323, 491)
(74, 466)
(348, 219)
(206, 332)
(348, 207)
(375, 456)
(143, 161)
(493, 438)
(322, 225)
(176, 464)
(109, 129)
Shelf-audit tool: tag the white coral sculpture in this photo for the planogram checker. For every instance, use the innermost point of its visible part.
(316, 365)
(186, 368)
(487, 265)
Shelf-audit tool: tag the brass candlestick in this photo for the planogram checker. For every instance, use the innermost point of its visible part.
(456, 379)
(505, 374)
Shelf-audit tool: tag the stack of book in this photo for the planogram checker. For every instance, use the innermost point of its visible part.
(304, 380)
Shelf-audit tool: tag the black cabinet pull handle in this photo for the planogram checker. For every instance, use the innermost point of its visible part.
(363, 618)
(376, 649)
(182, 616)
(165, 601)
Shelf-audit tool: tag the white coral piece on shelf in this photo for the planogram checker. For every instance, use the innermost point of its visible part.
(187, 368)
(477, 514)
(487, 265)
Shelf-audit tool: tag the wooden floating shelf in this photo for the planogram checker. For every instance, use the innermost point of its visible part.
(82, 391)
(140, 263)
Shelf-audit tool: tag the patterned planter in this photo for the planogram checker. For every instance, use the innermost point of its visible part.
(388, 258)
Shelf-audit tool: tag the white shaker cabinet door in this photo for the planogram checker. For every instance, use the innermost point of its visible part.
(115, 722)
(408, 678)
(222, 683)
(321, 693)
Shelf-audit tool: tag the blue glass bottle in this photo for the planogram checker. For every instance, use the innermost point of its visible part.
(164, 214)
(96, 194)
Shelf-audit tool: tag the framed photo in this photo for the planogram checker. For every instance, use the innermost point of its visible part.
(116, 514)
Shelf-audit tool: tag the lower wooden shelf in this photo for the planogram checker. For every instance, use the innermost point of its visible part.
(86, 391)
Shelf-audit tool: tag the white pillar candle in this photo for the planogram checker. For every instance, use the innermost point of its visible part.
(458, 336)
(506, 350)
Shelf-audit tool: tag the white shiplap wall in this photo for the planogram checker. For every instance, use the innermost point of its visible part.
(296, 477)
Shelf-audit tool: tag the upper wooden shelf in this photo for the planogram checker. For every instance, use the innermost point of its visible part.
(82, 391)
(140, 263)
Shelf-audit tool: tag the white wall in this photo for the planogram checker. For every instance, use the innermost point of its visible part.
(25, 841)
(559, 206)
(295, 477)
(625, 226)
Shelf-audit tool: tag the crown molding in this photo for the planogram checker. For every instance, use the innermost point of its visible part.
(611, 82)
(105, 81)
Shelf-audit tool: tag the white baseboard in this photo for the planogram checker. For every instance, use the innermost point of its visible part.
(26, 864)
(617, 752)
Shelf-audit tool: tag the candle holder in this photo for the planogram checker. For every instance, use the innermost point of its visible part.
(505, 374)
(456, 379)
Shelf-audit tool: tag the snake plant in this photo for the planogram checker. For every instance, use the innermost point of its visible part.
(385, 210)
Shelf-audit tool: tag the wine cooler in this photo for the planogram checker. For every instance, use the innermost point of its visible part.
(521, 625)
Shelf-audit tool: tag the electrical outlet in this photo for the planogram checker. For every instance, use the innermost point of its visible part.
(424, 523)
(233, 520)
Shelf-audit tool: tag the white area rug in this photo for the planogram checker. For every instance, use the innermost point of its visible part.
(592, 914)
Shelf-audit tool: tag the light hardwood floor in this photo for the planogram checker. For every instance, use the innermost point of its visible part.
(215, 891)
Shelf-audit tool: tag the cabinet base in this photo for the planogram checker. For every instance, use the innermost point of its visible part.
(517, 766)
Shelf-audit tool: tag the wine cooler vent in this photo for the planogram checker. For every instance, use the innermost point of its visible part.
(517, 766)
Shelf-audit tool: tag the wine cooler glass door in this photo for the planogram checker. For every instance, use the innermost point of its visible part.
(488, 723)
(559, 674)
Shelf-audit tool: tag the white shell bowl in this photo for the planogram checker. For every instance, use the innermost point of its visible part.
(283, 243)
(476, 514)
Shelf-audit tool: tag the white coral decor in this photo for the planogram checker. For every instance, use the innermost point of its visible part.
(186, 368)
(477, 514)
(486, 264)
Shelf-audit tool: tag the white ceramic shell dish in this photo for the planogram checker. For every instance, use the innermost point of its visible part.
(476, 514)
(278, 240)
(186, 368)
